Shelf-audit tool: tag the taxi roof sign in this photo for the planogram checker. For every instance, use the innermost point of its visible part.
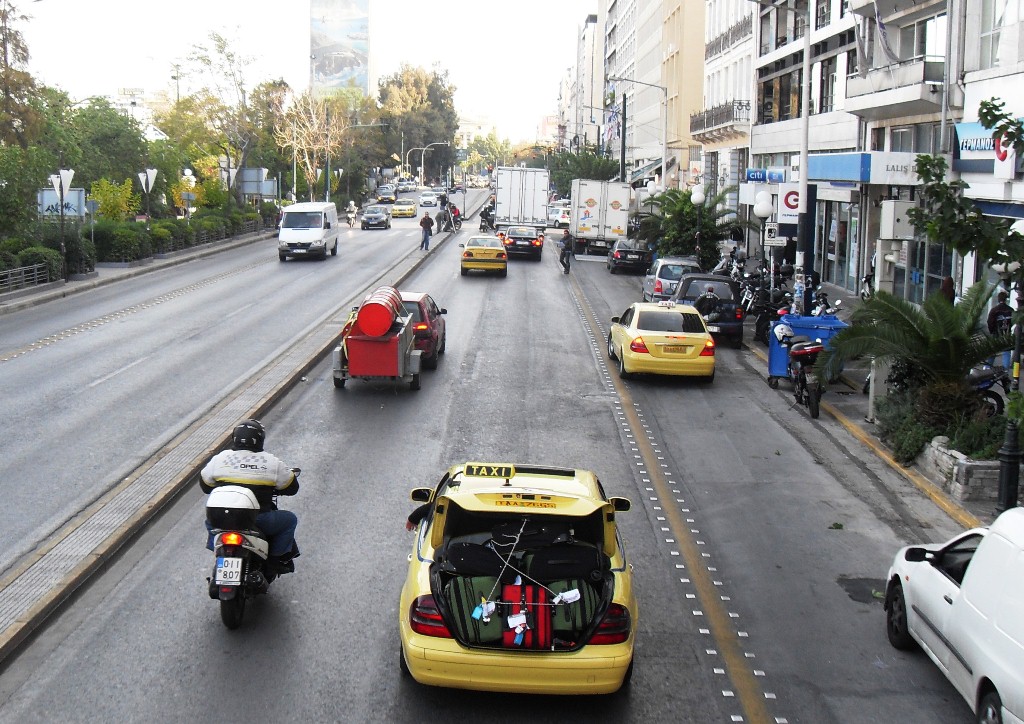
(490, 470)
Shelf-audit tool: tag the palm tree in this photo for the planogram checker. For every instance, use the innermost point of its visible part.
(939, 340)
(673, 221)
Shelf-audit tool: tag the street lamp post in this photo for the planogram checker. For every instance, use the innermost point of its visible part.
(1010, 452)
(417, 148)
(763, 208)
(664, 125)
(62, 184)
(423, 153)
(146, 178)
(697, 198)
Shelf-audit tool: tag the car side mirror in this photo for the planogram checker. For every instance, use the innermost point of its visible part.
(327, 224)
(916, 555)
(420, 495)
(461, 246)
(621, 505)
(615, 320)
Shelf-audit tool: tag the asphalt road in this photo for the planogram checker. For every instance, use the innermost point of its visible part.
(744, 509)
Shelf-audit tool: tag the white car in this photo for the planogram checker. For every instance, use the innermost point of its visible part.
(962, 602)
(428, 198)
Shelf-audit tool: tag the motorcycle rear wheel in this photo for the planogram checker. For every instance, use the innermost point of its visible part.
(232, 611)
(991, 403)
(813, 398)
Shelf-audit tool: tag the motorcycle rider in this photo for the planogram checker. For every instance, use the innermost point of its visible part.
(707, 303)
(247, 464)
(350, 212)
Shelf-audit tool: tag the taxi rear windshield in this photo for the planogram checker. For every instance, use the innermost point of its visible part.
(670, 321)
(302, 220)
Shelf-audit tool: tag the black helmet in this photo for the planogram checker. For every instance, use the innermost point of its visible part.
(248, 435)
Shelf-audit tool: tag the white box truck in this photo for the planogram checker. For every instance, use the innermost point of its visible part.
(521, 197)
(600, 213)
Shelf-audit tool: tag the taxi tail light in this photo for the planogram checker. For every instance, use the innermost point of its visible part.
(614, 627)
(709, 348)
(502, 255)
(425, 618)
(638, 346)
(467, 255)
(231, 539)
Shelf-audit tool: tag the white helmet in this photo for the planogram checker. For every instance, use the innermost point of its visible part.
(782, 331)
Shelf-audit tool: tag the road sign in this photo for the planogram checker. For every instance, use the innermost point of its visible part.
(771, 235)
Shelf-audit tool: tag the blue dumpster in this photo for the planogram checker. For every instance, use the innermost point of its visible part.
(823, 328)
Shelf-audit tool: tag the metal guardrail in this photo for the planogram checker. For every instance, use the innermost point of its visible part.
(23, 276)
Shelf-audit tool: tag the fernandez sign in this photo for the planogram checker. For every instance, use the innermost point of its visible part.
(789, 203)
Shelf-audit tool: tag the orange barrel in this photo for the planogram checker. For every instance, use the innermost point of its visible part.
(379, 311)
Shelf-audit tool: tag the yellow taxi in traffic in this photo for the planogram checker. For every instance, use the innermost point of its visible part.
(404, 208)
(518, 582)
(662, 338)
(484, 253)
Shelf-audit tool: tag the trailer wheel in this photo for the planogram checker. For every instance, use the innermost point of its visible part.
(415, 384)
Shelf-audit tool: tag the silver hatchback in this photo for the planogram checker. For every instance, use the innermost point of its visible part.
(661, 279)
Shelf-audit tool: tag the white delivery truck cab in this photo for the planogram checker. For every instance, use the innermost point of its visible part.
(308, 229)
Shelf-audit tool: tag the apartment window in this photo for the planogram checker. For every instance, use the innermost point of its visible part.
(878, 139)
(800, 18)
(852, 66)
(766, 33)
(822, 13)
(994, 14)
(827, 91)
(927, 138)
(901, 138)
(767, 112)
(786, 101)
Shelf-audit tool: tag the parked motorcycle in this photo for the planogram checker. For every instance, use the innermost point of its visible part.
(821, 305)
(801, 353)
(770, 313)
(241, 570)
(867, 286)
(983, 379)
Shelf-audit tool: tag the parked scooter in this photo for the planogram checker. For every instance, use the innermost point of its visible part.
(241, 569)
(821, 305)
(770, 313)
(801, 353)
(867, 286)
(983, 379)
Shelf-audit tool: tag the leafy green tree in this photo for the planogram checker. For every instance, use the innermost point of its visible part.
(492, 150)
(674, 221)
(420, 104)
(22, 172)
(116, 201)
(18, 118)
(109, 144)
(567, 166)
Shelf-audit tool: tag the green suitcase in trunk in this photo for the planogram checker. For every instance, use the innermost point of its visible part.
(464, 594)
(568, 620)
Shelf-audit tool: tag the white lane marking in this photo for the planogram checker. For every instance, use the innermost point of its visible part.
(115, 373)
(239, 310)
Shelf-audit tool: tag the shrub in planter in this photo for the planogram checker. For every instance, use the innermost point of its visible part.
(42, 255)
(980, 439)
(82, 256)
(268, 213)
(235, 219)
(899, 427)
(162, 238)
(103, 233)
(12, 245)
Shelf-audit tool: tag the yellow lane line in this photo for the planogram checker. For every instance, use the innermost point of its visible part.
(745, 687)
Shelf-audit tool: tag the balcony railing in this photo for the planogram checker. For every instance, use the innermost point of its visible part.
(725, 114)
(912, 87)
(742, 29)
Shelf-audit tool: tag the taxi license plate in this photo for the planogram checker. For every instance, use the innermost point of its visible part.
(714, 328)
(229, 571)
(676, 348)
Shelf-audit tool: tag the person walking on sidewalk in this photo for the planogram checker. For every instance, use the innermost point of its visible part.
(566, 243)
(1000, 318)
(427, 224)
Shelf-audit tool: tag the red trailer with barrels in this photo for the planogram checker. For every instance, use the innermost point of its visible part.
(378, 343)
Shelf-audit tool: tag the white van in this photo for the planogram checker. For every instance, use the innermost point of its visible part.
(308, 229)
(963, 603)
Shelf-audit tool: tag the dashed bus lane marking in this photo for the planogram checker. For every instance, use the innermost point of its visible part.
(728, 651)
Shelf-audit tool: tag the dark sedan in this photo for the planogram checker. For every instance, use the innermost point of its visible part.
(524, 241)
(628, 254)
(717, 299)
(376, 216)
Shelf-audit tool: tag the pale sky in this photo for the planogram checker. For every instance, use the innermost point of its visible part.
(506, 59)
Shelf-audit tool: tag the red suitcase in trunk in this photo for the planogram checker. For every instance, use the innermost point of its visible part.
(534, 601)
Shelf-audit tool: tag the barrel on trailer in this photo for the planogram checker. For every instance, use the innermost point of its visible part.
(379, 311)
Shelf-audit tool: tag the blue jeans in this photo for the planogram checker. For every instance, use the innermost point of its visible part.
(279, 527)
(425, 242)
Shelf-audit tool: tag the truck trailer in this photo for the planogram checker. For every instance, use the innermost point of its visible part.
(600, 213)
(521, 197)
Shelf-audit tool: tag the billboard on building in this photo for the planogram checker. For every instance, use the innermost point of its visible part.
(339, 40)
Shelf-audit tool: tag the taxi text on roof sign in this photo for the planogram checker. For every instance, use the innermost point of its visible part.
(482, 470)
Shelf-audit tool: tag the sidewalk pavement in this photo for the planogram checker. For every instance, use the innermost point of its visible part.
(845, 402)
